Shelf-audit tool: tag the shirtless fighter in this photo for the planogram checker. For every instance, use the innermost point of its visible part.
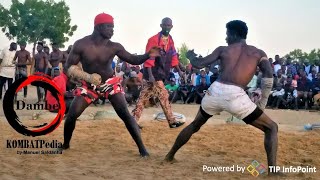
(238, 63)
(24, 59)
(96, 52)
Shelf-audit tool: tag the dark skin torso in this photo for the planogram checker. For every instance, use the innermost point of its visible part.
(55, 58)
(23, 58)
(97, 57)
(64, 58)
(40, 60)
(238, 62)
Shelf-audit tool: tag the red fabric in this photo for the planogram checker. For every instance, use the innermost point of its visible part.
(90, 95)
(140, 76)
(154, 41)
(61, 82)
(103, 18)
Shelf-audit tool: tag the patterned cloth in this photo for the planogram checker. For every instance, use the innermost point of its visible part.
(91, 93)
(158, 90)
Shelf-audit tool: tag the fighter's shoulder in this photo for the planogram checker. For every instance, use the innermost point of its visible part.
(116, 45)
(256, 51)
(82, 42)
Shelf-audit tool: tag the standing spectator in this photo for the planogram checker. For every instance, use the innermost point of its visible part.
(291, 69)
(7, 66)
(307, 67)
(277, 64)
(156, 70)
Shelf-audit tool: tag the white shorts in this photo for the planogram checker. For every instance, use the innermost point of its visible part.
(230, 98)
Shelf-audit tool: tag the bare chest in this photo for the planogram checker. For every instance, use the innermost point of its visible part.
(97, 55)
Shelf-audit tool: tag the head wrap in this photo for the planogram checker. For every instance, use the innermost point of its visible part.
(103, 18)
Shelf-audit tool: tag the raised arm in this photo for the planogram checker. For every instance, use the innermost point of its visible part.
(206, 61)
(135, 59)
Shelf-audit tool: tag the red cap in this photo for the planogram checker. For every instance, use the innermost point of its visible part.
(103, 18)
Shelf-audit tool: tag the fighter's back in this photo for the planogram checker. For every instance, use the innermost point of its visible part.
(238, 63)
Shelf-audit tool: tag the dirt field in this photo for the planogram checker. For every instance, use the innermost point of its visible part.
(103, 149)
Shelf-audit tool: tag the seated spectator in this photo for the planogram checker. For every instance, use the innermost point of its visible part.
(277, 94)
(132, 88)
(253, 84)
(172, 88)
(183, 92)
(304, 90)
(200, 90)
(118, 72)
(312, 75)
(208, 72)
(137, 69)
(279, 78)
(315, 85)
(215, 75)
(202, 75)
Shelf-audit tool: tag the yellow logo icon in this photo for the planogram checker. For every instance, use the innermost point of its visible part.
(255, 168)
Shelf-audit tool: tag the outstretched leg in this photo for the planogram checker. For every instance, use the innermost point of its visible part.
(78, 105)
(119, 104)
(270, 129)
(187, 132)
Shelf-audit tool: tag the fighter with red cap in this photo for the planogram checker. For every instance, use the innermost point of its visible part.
(96, 52)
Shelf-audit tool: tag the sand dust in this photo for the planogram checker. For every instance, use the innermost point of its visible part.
(103, 149)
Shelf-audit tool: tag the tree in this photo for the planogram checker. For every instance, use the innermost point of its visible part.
(36, 20)
(182, 54)
(299, 54)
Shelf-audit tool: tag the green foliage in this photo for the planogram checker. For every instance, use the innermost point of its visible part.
(36, 20)
(182, 54)
(300, 55)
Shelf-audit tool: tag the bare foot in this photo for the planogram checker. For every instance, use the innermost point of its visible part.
(144, 155)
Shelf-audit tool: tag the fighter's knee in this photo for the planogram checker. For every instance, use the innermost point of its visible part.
(272, 127)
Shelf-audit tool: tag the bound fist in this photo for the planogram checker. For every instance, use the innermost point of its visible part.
(154, 51)
(95, 79)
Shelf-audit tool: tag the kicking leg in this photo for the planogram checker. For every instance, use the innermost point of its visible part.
(119, 104)
(187, 132)
(78, 105)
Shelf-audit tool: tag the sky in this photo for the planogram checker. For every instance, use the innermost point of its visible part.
(275, 26)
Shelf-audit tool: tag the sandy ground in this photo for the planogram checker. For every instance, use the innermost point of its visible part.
(103, 149)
